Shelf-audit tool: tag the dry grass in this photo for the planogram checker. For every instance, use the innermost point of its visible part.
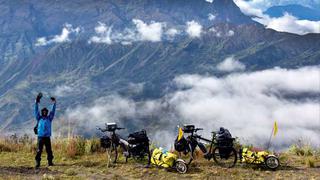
(79, 158)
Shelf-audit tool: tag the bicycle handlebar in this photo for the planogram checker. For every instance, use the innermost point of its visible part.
(104, 130)
(198, 129)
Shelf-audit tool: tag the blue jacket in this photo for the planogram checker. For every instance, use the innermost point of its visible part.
(44, 123)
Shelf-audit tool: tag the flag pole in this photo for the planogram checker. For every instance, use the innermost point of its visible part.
(269, 143)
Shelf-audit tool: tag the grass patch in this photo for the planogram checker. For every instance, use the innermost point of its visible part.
(305, 150)
(79, 158)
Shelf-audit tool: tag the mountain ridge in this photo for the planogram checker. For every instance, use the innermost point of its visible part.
(299, 11)
(95, 70)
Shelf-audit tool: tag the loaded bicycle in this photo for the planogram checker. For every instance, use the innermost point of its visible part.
(136, 146)
(221, 148)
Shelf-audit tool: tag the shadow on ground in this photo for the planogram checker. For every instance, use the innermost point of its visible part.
(25, 170)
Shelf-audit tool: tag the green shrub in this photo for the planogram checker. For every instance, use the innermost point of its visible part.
(301, 151)
(310, 162)
(81, 146)
(92, 146)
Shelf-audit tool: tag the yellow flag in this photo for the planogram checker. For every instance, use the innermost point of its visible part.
(180, 135)
(275, 128)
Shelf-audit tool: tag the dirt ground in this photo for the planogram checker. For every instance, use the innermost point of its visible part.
(14, 165)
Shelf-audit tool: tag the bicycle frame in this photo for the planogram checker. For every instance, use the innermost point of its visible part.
(193, 143)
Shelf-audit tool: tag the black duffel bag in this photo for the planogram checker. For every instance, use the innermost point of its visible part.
(138, 137)
(105, 142)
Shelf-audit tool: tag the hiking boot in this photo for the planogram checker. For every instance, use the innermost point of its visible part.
(50, 163)
(37, 164)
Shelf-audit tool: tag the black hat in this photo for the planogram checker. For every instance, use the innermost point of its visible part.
(44, 110)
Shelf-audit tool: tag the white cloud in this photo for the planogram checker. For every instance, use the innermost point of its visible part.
(103, 34)
(63, 37)
(63, 90)
(264, 4)
(149, 32)
(230, 33)
(248, 104)
(194, 29)
(141, 31)
(211, 17)
(289, 23)
(212, 29)
(41, 41)
(219, 33)
(171, 33)
(84, 119)
(286, 23)
(245, 103)
(210, 1)
(135, 88)
(230, 64)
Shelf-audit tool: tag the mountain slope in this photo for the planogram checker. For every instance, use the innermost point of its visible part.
(96, 70)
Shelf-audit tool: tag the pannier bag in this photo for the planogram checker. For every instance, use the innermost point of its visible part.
(224, 137)
(138, 137)
(163, 159)
(225, 152)
(105, 142)
(181, 145)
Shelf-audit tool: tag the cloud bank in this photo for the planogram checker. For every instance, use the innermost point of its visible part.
(67, 30)
(289, 23)
(140, 31)
(286, 23)
(245, 103)
(264, 4)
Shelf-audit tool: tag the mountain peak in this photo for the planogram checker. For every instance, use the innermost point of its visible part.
(228, 11)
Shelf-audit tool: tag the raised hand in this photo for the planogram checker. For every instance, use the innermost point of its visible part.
(53, 99)
(39, 96)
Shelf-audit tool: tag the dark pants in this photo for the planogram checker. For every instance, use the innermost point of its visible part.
(46, 142)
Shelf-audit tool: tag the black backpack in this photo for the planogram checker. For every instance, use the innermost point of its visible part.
(138, 137)
(224, 138)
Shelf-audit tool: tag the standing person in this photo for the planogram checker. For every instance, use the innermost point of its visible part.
(43, 129)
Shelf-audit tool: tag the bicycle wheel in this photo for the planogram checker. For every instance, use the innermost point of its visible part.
(225, 156)
(272, 162)
(181, 166)
(112, 154)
